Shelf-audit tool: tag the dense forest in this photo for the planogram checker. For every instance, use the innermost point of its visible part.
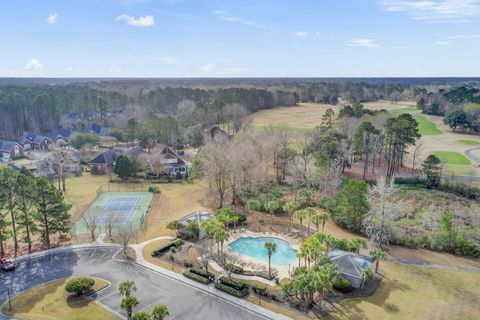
(460, 106)
(36, 105)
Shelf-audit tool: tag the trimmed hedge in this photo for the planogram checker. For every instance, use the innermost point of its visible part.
(197, 277)
(203, 273)
(235, 284)
(166, 247)
(234, 292)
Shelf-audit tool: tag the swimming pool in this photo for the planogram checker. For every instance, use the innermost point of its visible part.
(254, 248)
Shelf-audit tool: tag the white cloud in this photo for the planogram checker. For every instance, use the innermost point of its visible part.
(33, 65)
(317, 34)
(366, 43)
(435, 10)
(52, 18)
(145, 21)
(224, 16)
(301, 34)
(207, 68)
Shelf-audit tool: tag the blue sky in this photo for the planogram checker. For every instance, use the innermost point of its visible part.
(242, 38)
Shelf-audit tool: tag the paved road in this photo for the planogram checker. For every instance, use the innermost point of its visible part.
(184, 301)
(471, 155)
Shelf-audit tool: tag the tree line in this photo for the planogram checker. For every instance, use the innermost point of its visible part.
(30, 206)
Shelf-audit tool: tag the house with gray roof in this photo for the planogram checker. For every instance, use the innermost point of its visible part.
(104, 162)
(351, 265)
(34, 141)
(10, 150)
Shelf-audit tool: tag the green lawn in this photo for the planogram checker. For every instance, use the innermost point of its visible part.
(469, 142)
(47, 301)
(411, 292)
(425, 127)
(451, 157)
(398, 111)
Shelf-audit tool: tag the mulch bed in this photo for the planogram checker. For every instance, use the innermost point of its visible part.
(129, 256)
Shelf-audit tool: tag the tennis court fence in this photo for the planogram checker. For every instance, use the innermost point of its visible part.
(123, 187)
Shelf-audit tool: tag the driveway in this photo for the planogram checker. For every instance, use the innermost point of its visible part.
(183, 301)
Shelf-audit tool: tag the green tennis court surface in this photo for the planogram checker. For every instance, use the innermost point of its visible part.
(120, 209)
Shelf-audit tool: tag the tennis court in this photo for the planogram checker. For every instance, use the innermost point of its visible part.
(119, 209)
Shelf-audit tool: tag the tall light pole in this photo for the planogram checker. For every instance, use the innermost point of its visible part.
(9, 301)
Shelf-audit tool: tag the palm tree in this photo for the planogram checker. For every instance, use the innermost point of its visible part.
(127, 287)
(128, 303)
(234, 220)
(378, 254)
(300, 215)
(174, 225)
(323, 217)
(310, 213)
(160, 312)
(220, 236)
(366, 274)
(290, 207)
(142, 315)
(271, 206)
(271, 248)
(252, 205)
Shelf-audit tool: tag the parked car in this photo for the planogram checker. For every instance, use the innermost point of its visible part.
(7, 265)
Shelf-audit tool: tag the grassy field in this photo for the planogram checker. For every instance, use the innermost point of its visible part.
(82, 191)
(174, 202)
(147, 254)
(411, 292)
(47, 301)
(450, 157)
(469, 142)
(425, 127)
(398, 111)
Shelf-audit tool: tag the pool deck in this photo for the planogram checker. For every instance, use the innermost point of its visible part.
(255, 264)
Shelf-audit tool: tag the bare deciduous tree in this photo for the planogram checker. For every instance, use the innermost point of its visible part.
(377, 220)
(123, 236)
(90, 221)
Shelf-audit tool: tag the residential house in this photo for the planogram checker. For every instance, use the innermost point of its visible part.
(215, 133)
(60, 134)
(164, 161)
(10, 150)
(351, 265)
(103, 163)
(96, 129)
(31, 141)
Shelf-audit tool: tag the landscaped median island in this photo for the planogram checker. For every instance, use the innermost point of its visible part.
(51, 301)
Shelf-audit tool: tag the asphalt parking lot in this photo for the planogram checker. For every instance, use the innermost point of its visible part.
(183, 301)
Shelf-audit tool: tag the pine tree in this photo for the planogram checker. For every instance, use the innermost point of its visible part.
(52, 212)
(26, 199)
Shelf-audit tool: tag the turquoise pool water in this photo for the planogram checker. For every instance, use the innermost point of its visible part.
(254, 248)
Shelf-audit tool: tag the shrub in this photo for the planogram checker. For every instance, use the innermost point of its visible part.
(261, 290)
(154, 189)
(295, 303)
(203, 273)
(234, 292)
(166, 247)
(236, 284)
(178, 176)
(197, 277)
(188, 263)
(79, 286)
(343, 285)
